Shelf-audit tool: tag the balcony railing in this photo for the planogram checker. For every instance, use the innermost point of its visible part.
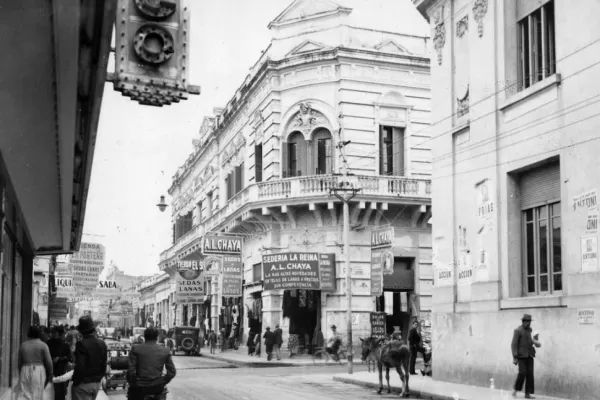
(309, 187)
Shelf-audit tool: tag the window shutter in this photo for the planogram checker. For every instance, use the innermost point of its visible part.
(526, 7)
(285, 162)
(301, 158)
(239, 174)
(258, 163)
(398, 148)
(381, 151)
(540, 186)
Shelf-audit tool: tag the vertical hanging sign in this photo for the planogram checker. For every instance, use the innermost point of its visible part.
(231, 270)
(381, 261)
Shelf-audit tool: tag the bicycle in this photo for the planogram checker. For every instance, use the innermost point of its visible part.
(321, 352)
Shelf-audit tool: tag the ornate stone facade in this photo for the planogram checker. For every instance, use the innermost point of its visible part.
(480, 8)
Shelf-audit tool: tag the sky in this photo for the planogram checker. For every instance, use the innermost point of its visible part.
(139, 148)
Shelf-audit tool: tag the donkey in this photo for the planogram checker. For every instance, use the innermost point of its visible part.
(394, 354)
(368, 356)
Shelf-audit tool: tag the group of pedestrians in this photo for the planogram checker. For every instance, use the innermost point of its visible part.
(69, 365)
(273, 340)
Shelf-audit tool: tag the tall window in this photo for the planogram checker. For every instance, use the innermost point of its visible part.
(258, 162)
(541, 220)
(209, 204)
(391, 151)
(294, 155)
(537, 45)
(323, 152)
(199, 212)
(234, 182)
(257, 272)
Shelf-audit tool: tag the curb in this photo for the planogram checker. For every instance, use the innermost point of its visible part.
(264, 364)
(395, 389)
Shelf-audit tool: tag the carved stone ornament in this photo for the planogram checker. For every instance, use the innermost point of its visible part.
(439, 39)
(307, 119)
(462, 105)
(480, 8)
(257, 125)
(462, 26)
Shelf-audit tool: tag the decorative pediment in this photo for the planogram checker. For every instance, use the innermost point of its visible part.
(307, 119)
(206, 128)
(389, 46)
(307, 46)
(301, 10)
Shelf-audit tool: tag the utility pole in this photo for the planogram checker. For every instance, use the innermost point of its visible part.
(345, 192)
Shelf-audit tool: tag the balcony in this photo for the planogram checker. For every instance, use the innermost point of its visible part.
(309, 189)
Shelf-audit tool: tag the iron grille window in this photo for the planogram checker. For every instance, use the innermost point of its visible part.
(537, 45)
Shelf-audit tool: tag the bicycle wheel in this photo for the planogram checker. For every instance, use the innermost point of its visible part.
(320, 354)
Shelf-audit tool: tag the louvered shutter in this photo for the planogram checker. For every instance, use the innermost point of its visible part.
(540, 186)
(285, 162)
(301, 157)
(398, 148)
(381, 151)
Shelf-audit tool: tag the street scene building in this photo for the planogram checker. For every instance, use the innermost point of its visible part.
(338, 87)
(515, 199)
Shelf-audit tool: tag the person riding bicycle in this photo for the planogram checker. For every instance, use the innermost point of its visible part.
(334, 342)
(146, 362)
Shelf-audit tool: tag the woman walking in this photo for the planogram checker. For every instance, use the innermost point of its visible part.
(35, 366)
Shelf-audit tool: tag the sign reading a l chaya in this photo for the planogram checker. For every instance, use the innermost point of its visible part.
(382, 259)
(291, 271)
(213, 244)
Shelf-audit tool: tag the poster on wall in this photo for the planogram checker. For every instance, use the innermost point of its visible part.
(291, 271)
(378, 327)
(443, 274)
(591, 225)
(382, 257)
(232, 276)
(465, 270)
(481, 272)
(586, 201)
(485, 203)
(589, 254)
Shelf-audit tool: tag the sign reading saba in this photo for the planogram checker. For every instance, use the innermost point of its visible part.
(152, 51)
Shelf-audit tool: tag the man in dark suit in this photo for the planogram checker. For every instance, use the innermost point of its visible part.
(523, 352)
(61, 356)
(91, 355)
(416, 347)
(146, 363)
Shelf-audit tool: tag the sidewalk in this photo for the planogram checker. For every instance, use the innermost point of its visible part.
(425, 387)
(241, 358)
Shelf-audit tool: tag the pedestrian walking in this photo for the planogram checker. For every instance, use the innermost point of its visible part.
(35, 366)
(90, 361)
(415, 342)
(212, 340)
(61, 357)
(278, 341)
(523, 350)
(250, 343)
(269, 342)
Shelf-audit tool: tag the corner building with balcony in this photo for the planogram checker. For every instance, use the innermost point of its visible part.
(515, 189)
(263, 166)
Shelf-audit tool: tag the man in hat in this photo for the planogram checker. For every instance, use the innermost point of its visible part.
(334, 342)
(269, 342)
(523, 352)
(90, 361)
(61, 356)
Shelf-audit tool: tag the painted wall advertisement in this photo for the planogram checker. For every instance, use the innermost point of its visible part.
(382, 257)
(58, 307)
(465, 270)
(327, 271)
(291, 271)
(443, 274)
(232, 276)
(589, 254)
(587, 200)
(87, 264)
(586, 316)
(485, 203)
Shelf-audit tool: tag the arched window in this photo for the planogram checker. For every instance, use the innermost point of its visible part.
(322, 152)
(294, 155)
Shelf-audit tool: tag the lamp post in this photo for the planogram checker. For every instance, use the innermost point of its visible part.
(345, 192)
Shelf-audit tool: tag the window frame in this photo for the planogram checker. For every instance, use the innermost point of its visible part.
(550, 254)
(258, 161)
(531, 41)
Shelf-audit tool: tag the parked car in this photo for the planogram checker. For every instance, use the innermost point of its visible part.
(137, 336)
(183, 338)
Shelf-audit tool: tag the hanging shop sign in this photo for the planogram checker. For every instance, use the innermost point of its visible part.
(378, 327)
(232, 276)
(327, 272)
(213, 244)
(291, 271)
(382, 257)
(58, 307)
(189, 286)
(212, 266)
(87, 264)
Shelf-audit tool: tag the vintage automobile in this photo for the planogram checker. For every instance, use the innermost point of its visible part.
(183, 338)
(137, 336)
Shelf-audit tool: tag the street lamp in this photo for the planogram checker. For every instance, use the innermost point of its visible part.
(161, 204)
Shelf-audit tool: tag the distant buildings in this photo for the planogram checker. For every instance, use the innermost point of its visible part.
(515, 147)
